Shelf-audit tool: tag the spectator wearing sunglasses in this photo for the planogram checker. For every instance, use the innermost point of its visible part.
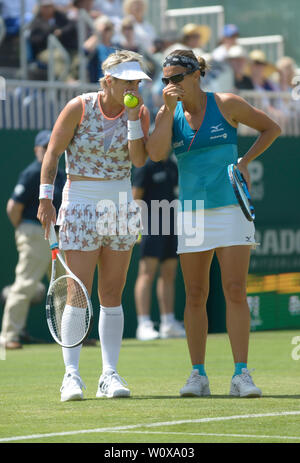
(201, 129)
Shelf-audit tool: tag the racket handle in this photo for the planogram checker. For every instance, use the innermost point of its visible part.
(52, 237)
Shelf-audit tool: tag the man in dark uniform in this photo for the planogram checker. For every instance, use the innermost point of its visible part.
(157, 181)
(33, 250)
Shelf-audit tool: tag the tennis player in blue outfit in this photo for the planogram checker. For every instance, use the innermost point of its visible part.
(201, 128)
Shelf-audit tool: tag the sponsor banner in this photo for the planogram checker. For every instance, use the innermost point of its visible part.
(278, 250)
(273, 311)
(275, 186)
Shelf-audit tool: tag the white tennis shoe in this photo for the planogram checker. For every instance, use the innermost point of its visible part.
(196, 386)
(243, 385)
(172, 330)
(71, 388)
(112, 385)
(146, 332)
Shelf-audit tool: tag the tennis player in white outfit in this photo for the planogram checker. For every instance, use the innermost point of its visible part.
(101, 139)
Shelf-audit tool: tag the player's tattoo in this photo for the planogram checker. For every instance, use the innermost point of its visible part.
(51, 174)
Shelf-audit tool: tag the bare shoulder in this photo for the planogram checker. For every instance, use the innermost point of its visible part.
(72, 111)
(229, 104)
(228, 99)
(74, 105)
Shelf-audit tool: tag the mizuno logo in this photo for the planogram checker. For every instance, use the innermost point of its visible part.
(216, 128)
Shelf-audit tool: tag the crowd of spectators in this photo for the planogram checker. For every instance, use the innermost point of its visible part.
(123, 24)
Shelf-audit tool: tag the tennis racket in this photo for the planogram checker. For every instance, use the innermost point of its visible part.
(241, 192)
(69, 309)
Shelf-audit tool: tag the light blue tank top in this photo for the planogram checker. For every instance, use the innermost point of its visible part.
(203, 156)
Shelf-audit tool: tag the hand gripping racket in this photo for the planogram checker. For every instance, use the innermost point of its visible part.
(241, 192)
(69, 309)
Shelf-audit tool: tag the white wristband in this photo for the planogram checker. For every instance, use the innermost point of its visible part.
(135, 130)
(46, 191)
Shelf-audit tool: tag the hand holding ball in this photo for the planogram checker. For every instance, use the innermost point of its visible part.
(130, 101)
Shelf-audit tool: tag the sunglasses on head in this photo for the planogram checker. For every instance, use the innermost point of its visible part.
(177, 77)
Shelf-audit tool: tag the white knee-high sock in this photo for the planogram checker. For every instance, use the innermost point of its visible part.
(72, 318)
(111, 325)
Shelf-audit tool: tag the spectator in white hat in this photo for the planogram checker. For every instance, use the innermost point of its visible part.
(237, 59)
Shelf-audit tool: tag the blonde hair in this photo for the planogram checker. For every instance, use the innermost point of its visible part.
(102, 21)
(119, 56)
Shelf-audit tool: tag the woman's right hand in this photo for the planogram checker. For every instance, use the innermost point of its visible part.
(46, 214)
(171, 95)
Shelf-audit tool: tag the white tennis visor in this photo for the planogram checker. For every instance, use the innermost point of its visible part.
(130, 70)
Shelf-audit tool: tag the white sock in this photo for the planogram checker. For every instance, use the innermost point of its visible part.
(111, 325)
(167, 318)
(71, 354)
(143, 318)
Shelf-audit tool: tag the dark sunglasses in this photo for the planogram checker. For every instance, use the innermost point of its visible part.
(177, 77)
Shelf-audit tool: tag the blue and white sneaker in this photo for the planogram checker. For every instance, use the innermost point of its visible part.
(243, 385)
(111, 385)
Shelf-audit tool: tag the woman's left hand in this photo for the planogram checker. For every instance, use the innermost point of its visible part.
(244, 171)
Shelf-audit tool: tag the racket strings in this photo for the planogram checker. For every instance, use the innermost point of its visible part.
(68, 311)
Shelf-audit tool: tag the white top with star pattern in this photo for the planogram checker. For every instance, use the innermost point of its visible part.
(88, 154)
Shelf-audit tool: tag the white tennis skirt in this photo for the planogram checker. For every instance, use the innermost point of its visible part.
(207, 229)
(95, 214)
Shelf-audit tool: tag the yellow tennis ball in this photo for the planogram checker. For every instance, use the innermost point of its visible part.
(130, 100)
